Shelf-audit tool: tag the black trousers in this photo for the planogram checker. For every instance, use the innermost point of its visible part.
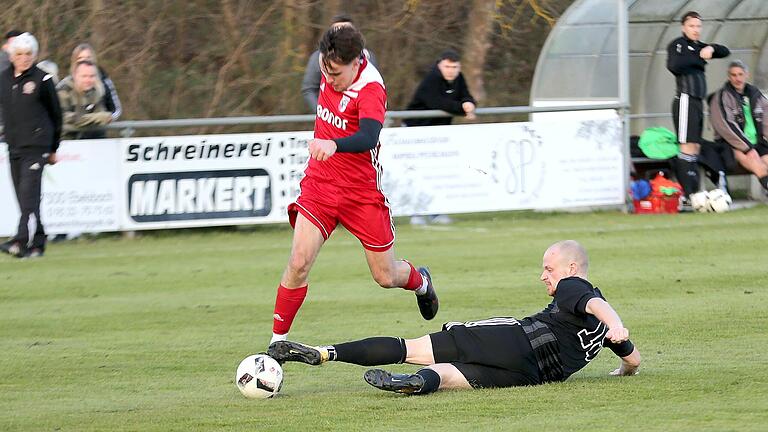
(27, 175)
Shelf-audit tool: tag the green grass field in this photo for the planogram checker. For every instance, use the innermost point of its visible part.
(145, 334)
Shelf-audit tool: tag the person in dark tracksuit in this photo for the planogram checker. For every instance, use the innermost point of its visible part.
(686, 58)
(32, 119)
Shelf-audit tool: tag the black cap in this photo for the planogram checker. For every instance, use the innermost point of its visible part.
(449, 54)
(13, 33)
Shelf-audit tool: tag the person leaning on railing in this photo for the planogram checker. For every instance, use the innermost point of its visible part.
(83, 103)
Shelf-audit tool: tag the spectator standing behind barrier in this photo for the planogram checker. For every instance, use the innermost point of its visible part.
(83, 103)
(5, 62)
(85, 51)
(738, 112)
(444, 88)
(32, 130)
(310, 85)
(686, 58)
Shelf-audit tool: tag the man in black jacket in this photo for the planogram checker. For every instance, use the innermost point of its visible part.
(444, 88)
(32, 130)
(686, 58)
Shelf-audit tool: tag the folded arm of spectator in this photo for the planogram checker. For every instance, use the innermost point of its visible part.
(94, 119)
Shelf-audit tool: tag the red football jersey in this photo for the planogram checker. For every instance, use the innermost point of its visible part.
(338, 116)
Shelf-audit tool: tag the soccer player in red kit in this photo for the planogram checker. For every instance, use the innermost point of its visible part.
(342, 182)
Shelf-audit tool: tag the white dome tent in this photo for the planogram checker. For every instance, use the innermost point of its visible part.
(582, 61)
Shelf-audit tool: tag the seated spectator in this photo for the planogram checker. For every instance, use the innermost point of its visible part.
(739, 112)
(85, 51)
(444, 88)
(83, 103)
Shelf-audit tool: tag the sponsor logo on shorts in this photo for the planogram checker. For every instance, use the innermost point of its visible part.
(174, 196)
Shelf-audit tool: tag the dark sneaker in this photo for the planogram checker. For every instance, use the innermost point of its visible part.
(11, 248)
(398, 383)
(284, 351)
(685, 205)
(428, 302)
(32, 253)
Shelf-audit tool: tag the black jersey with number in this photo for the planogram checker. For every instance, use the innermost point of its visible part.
(580, 335)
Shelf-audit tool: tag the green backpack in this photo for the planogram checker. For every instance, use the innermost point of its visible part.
(658, 143)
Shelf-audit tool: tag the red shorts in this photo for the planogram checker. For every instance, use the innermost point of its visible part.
(363, 212)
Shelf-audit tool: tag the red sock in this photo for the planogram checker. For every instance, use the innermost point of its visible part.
(287, 305)
(414, 278)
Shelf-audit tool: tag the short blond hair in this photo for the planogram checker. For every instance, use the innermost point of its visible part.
(572, 251)
(85, 46)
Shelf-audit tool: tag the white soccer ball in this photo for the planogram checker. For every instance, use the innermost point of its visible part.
(699, 201)
(259, 377)
(718, 201)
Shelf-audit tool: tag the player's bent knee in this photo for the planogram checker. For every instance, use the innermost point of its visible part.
(419, 351)
(299, 265)
(450, 377)
(385, 279)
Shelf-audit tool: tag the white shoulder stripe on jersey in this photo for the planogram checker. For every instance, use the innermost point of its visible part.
(370, 75)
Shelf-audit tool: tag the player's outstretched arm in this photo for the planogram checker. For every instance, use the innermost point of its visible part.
(605, 313)
(630, 364)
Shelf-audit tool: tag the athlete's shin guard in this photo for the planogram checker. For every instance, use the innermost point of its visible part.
(431, 381)
(287, 306)
(687, 172)
(415, 280)
(372, 351)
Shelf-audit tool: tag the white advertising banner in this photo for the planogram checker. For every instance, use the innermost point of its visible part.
(503, 166)
(205, 180)
(79, 194)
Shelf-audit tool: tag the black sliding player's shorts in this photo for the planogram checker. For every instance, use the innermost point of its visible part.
(494, 352)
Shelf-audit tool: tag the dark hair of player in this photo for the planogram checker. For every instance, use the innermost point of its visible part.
(341, 45)
(690, 14)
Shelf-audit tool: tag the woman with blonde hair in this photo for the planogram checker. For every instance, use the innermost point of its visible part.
(85, 52)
